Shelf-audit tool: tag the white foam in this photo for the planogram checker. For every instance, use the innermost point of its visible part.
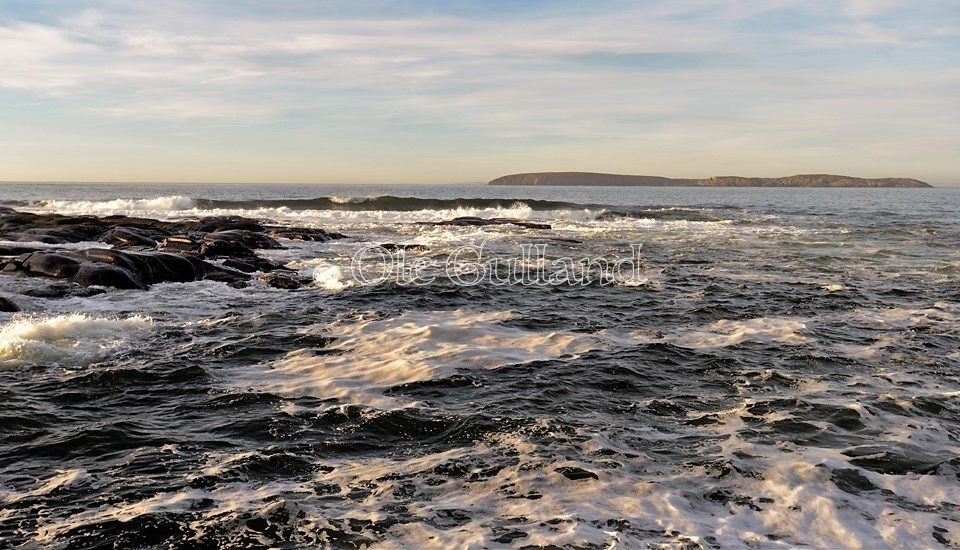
(167, 204)
(730, 333)
(416, 346)
(62, 478)
(900, 318)
(178, 207)
(331, 277)
(71, 339)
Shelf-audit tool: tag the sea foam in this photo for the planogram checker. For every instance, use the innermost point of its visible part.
(416, 346)
(71, 340)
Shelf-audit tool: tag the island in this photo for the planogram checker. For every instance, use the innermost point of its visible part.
(598, 179)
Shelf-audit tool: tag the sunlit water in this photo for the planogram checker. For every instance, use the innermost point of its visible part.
(782, 371)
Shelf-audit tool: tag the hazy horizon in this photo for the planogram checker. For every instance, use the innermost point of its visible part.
(431, 92)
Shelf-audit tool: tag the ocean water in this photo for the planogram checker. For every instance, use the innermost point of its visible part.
(779, 369)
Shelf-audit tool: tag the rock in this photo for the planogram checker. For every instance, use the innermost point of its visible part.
(183, 246)
(250, 239)
(7, 306)
(180, 243)
(173, 268)
(121, 269)
(303, 234)
(231, 249)
(393, 247)
(475, 221)
(254, 263)
(223, 223)
(130, 236)
(108, 275)
(162, 267)
(50, 264)
(61, 290)
(282, 280)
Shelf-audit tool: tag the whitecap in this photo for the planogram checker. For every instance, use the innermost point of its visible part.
(71, 339)
(416, 346)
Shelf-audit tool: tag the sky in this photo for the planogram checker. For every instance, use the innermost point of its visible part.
(430, 91)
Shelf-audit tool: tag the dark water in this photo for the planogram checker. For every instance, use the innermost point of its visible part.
(782, 370)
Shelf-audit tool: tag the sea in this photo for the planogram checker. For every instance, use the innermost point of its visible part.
(775, 368)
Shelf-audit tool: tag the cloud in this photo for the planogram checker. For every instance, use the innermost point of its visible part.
(684, 74)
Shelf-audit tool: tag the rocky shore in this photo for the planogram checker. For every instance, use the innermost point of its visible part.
(142, 252)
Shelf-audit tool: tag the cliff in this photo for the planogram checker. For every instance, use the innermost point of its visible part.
(804, 180)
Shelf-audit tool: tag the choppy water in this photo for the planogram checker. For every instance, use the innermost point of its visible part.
(783, 372)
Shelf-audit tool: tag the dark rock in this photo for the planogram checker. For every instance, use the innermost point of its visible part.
(475, 221)
(163, 268)
(7, 306)
(173, 268)
(108, 275)
(180, 243)
(250, 239)
(282, 280)
(254, 263)
(50, 265)
(393, 247)
(130, 236)
(120, 269)
(60, 290)
(221, 274)
(230, 249)
(182, 249)
(223, 223)
(304, 234)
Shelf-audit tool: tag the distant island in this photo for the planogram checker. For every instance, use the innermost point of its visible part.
(804, 180)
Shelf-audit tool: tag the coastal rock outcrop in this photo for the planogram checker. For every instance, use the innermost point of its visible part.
(145, 251)
(480, 222)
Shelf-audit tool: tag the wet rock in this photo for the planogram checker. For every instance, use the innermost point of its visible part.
(251, 239)
(183, 247)
(130, 236)
(393, 247)
(223, 223)
(224, 248)
(252, 264)
(120, 269)
(180, 244)
(108, 275)
(61, 290)
(303, 234)
(7, 305)
(481, 222)
(283, 280)
(50, 264)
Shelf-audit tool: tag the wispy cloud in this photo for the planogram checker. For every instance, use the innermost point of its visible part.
(644, 75)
